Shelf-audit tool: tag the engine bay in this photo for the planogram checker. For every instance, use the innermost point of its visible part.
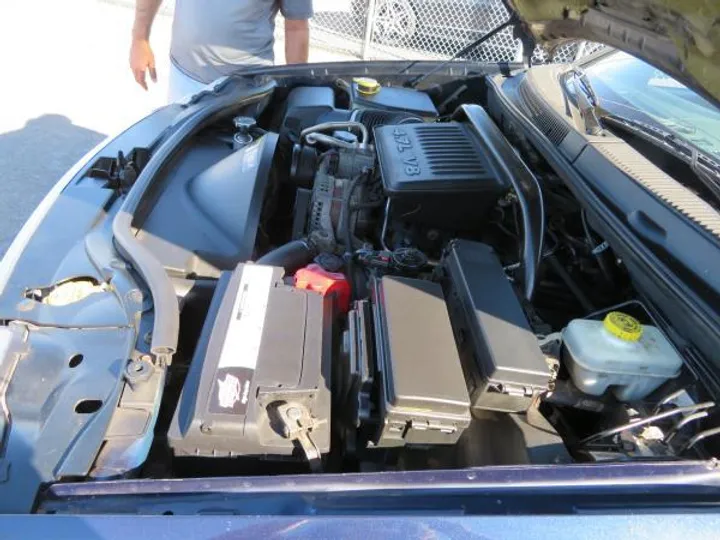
(375, 278)
(402, 311)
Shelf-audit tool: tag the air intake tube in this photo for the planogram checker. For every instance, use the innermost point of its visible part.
(291, 256)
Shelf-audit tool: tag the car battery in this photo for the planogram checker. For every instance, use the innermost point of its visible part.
(503, 364)
(264, 353)
(422, 398)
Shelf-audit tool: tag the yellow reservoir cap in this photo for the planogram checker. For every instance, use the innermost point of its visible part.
(367, 86)
(623, 326)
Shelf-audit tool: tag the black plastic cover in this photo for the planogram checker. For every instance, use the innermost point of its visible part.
(311, 96)
(395, 99)
(423, 396)
(434, 157)
(357, 373)
(263, 343)
(207, 217)
(438, 174)
(503, 363)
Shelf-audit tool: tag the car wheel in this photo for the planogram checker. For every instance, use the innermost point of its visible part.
(395, 22)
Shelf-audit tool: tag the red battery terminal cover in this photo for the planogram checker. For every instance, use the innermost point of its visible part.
(315, 278)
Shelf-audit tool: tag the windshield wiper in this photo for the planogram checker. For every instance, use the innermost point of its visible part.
(588, 103)
(709, 176)
(412, 83)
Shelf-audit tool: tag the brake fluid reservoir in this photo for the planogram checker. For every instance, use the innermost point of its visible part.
(618, 353)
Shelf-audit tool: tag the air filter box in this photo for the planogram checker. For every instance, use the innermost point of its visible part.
(439, 175)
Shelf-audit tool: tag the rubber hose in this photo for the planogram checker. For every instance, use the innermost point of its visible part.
(570, 283)
(291, 256)
(526, 187)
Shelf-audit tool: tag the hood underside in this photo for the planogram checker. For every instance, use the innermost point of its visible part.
(680, 37)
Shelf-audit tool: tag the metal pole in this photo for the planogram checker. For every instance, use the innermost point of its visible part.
(369, 24)
(581, 51)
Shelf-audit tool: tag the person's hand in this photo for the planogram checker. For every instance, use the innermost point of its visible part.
(142, 59)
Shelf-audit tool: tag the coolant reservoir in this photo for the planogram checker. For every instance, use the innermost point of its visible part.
(618, 353)
(366, 93)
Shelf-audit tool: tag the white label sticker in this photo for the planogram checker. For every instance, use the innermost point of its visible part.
(242, 339)
(228, 391)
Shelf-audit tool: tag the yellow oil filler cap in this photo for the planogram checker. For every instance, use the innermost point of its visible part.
(367, 86)
(623, 326)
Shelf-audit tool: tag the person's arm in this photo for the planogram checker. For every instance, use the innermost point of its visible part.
(297, 41)
(141, 55)
(297, 29)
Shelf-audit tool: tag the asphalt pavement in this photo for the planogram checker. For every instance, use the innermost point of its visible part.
(65, 86)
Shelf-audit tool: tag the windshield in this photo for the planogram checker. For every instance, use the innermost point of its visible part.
(628, 87)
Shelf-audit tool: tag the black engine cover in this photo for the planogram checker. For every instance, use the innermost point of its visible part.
(439, 175)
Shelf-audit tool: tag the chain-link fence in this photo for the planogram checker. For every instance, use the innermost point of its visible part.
(432, 29)
(417, 29)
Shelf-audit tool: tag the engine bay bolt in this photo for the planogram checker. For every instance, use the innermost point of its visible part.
(293, 413)
(139, 371)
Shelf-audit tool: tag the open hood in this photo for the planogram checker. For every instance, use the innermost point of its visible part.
(680, 37)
